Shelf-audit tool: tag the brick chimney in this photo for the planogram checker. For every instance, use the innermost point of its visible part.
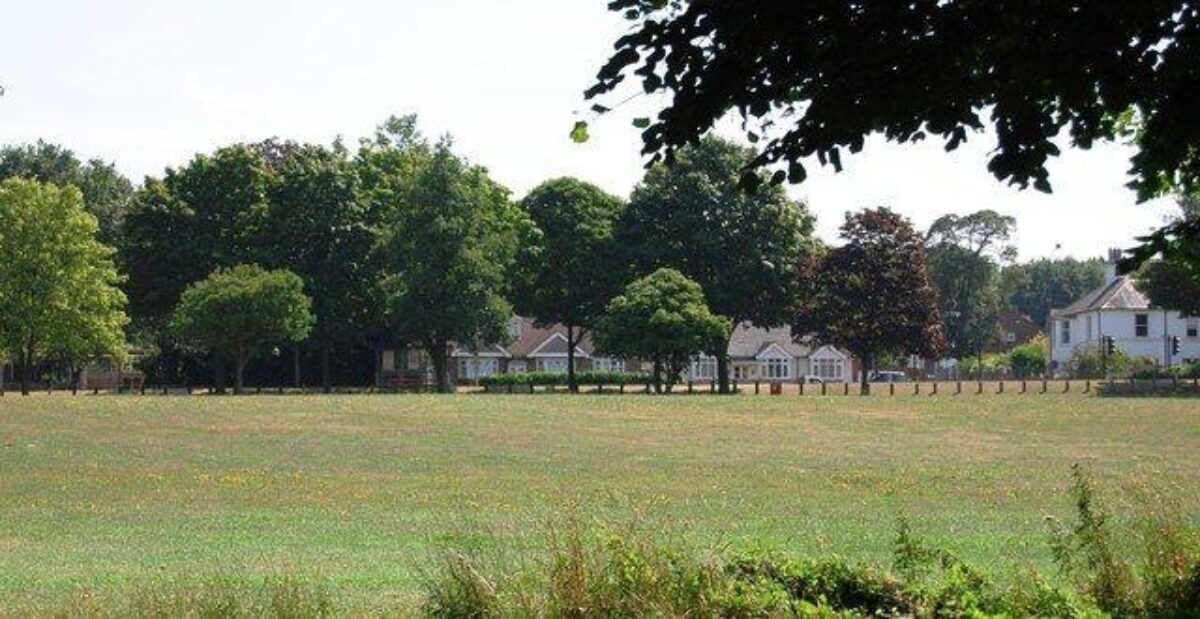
(1110, 265)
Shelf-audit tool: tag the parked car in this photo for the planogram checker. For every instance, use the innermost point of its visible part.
(889, 376)
(814, 380)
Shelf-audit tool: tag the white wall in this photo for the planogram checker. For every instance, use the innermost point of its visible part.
(1121, 325)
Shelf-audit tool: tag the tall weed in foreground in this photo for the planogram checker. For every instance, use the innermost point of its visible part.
(1168, 583)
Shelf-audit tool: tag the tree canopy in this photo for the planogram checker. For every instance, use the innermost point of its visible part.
(59, 293)
(812, 78)
(964, 255)
(449, 244)
(742, 247)
(570, 268)
(106, 193)
(1034, 288)
(662, 318)
(243, 311)
(872, 296)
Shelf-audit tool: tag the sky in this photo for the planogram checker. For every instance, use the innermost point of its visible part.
(147, 84)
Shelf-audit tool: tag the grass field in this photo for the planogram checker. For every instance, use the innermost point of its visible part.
(103, 492)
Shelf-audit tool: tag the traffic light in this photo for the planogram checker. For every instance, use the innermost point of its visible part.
(1110, 345)
(1174, 345)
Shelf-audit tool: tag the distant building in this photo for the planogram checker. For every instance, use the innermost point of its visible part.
(1013, 329)
(755, 354)
(1119, 310)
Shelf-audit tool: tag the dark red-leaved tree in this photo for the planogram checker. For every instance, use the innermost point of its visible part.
(872, 295)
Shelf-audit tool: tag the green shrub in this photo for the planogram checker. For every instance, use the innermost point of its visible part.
(1029, 360)
(1091, 363)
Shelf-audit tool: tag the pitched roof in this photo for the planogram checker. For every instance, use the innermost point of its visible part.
(749, 341)
(1119, 294)
(531, 336)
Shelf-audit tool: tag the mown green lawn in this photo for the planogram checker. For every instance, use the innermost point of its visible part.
(103, 492)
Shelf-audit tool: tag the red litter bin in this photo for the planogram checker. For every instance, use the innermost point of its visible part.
(776, 388)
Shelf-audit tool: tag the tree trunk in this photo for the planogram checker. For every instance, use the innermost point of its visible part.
(979, 365)
(571, 386)
(219, 372)
(326, 380)
(437, 353)
(26, 363)
(723, 368)
(657, 376)
(239, 374)
(864, 384)
(296, 366)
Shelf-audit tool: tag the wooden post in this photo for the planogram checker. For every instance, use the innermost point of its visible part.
(935, 388)
(1087, 386)
(822, 388)
(1067, 386)
(958, 387)
(712, 387)
(802, 388)
(980, 388)
(691, 387)
(916, 388)
(756, 385)
(621, 389)
(1024, 385)
(1001, 387)
(892, 389)
(846, 388)
(1045, 385)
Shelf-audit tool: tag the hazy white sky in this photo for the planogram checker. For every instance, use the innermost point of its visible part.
(148, 83)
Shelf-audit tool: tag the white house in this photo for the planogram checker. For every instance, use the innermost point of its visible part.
(1119, 310)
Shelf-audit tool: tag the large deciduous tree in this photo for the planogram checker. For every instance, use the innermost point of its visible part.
(450, 243)
(205, 215)
(662, 318)
(742, 247)
(872, 295)
(569, 269)
(818, 78)
(59, 293)
(106, 193)
(241, 312)
(964, 255)
(317, 226)
(1034, 288)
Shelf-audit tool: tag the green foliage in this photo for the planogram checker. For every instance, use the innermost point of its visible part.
(558, 378)
(106, 193)
(872, 296)
(1168, 583)
(742, 247)
(1029, 360)
(1172, 285)
(963, 253)
(1091, 363)
(281, 597)
(450, 240)
(58, 284)
(807, 82)
(663, 318)
(1034, 288)
(242, 312)
(317, 226)
(568, 268)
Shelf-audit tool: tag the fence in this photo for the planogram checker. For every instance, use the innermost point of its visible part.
(1128, 387)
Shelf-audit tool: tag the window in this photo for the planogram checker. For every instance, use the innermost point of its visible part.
(1088, 334)
(1010, 337)
(704, 367)
(1193, 327)
(1066, 332)
(608, 364)
(472, 369)
(516, 367)
(552, 365)
(777, 369)
(1141, 325)
(745, 372)
(828, 369)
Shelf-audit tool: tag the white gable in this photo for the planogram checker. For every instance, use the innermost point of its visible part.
(774, 351)
(555, 346)
(828, 352)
